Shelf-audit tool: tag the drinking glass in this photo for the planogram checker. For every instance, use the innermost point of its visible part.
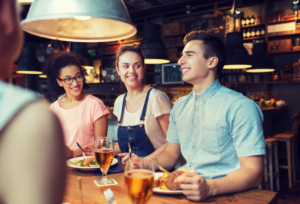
(139, 178)
(104, 153)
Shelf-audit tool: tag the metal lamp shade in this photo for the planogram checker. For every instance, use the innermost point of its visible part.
(79, 20)
(295, 6)
(28, 63)
(154, 48)
(261, 61)
(80, 48)
(237, 56)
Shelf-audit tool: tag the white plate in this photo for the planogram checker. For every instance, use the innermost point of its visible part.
(158, 190)
(85, 168)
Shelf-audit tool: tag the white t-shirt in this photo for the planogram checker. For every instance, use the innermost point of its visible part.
(158, 104)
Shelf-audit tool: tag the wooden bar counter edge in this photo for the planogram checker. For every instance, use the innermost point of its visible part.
(94, 195)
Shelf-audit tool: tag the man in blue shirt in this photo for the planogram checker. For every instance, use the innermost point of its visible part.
(219, 129)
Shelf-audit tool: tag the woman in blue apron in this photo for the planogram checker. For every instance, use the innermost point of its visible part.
(142, 112)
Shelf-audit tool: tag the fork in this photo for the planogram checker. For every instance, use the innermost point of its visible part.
(80, 148)
(159, 166)
(129, 150)
(187, 162)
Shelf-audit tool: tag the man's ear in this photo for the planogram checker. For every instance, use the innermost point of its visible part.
(213, 62)
(6, 17)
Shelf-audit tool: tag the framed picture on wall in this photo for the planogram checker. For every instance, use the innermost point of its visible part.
(111, 75)
(171, 74)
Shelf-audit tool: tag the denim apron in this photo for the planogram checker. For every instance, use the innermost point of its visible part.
(135, 135)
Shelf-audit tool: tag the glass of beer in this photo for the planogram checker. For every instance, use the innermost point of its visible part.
(104, 153)
(139, 178)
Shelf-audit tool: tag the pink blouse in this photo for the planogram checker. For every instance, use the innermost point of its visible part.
(77, 123)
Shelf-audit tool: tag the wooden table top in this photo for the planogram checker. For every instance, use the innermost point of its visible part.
(94, 195)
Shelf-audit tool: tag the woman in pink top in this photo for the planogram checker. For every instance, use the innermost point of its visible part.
(83, 117)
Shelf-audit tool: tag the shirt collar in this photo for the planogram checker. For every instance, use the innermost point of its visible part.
(208, 92)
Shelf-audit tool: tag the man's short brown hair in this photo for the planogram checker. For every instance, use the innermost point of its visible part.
(213, 46)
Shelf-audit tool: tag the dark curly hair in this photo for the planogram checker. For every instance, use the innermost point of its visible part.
(128, 48)
(55, 63)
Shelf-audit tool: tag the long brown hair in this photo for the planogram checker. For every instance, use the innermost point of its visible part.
(128, 48)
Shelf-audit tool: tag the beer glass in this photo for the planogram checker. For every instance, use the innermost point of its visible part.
(104, 153)
(139, 178)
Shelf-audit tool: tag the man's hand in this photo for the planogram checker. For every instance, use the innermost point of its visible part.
(194, 186)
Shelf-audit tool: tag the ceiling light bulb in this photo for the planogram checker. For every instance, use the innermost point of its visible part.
(82, 18)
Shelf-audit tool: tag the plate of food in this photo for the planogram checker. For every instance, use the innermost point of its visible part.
(164, 182)
(86, 163)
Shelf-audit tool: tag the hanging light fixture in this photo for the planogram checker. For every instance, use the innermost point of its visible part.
(261, 61)
(80, 48)
(79, 20)
(25, 1)
(295, 5)
(295, 8)
(28, 63)
(154, 48)
(237, 56)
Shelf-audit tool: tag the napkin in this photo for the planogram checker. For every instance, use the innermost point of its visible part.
(112, 170)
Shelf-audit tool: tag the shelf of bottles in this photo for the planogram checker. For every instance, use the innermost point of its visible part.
(253, 27)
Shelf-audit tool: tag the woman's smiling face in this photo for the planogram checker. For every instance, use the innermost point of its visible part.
(131, 69)
(75, 87)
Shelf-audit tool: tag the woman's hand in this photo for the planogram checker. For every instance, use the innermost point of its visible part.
(88, 151)
(69, 152)
(126, 156)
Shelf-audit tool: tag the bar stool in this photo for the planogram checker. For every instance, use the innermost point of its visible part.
(288, 138)
(265, 183)
(272, 155)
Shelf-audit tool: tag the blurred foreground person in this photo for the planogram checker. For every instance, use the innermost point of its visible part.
(32, 170)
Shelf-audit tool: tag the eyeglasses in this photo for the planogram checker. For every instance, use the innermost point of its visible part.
(70, 80)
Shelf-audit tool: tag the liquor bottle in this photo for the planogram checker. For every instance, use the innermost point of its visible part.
(248, 34)
(257, 20)
(243, 22)
(252, 19)
(262, 31)
(247, 20)
(257, 33)
(253, 32)
(244, 33)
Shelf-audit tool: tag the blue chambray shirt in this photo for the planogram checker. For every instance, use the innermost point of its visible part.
(215, 127)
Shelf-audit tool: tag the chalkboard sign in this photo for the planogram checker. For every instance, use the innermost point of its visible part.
(220, 25)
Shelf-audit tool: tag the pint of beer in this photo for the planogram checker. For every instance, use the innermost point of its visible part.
(139, 181)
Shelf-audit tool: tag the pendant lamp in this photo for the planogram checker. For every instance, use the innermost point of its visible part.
(295, 5)
(28, 63)
(261, 61)
(79, 20)
(25, 1)
(81, 49)
(154, 48)
(237, 56)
